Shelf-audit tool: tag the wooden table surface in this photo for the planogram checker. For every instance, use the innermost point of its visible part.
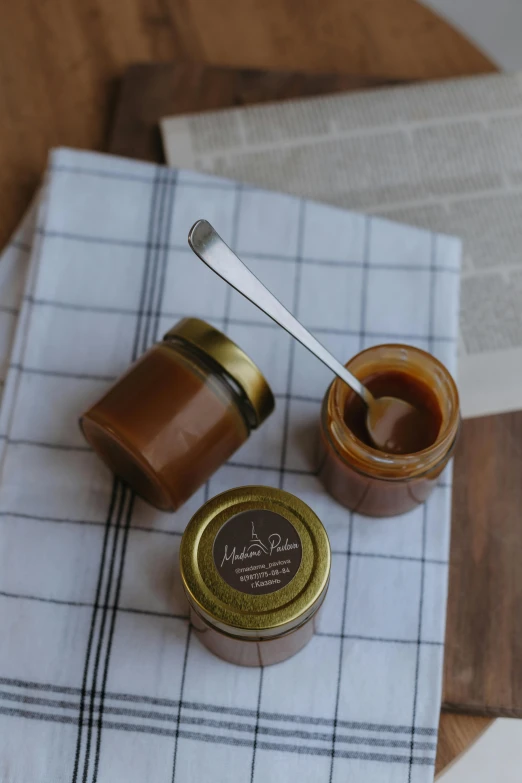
(60, 63)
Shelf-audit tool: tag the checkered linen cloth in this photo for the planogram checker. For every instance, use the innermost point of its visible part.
(101, 678)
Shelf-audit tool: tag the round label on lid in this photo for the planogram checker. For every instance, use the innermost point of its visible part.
(257, 552)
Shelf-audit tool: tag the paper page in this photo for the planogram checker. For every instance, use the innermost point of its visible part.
(496, 755)
(445, 156)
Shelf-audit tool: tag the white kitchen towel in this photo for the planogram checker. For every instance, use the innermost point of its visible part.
(101, 678)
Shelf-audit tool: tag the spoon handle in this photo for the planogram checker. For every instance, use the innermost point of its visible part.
(212, 250)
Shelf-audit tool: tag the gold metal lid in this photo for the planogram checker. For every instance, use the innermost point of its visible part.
(255, 562)
(231, 359)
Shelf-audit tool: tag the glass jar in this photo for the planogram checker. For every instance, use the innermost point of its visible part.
(358, 475)
(178, 413)
(255, 566)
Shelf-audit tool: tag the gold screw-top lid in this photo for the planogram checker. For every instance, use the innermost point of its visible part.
(229, 356)
(255, 562)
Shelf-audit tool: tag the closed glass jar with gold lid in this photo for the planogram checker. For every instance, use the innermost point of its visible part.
(178, 413)
(255, 566)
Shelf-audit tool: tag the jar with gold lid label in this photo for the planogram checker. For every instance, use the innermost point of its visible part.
(255, 566)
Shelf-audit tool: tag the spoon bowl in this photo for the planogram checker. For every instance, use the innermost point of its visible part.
(395, 426)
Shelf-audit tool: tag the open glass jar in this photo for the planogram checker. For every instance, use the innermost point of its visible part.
(178, 413)
(358, 475)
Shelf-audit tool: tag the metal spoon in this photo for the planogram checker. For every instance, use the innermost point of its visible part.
(393, 425)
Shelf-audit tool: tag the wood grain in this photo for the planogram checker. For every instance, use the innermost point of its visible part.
(457, 732)
(483, 654)
(59, 60)
(151, 91)
(402, 39)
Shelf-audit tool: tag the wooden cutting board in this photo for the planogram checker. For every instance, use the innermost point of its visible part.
(483, 657)
(151, 91)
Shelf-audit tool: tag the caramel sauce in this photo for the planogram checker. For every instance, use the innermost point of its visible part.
(165, 427)
(403, 434)
(249, 652)
(351, 468)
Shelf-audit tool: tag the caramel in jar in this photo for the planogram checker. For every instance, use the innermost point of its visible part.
(370, 481)
(178, 413)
